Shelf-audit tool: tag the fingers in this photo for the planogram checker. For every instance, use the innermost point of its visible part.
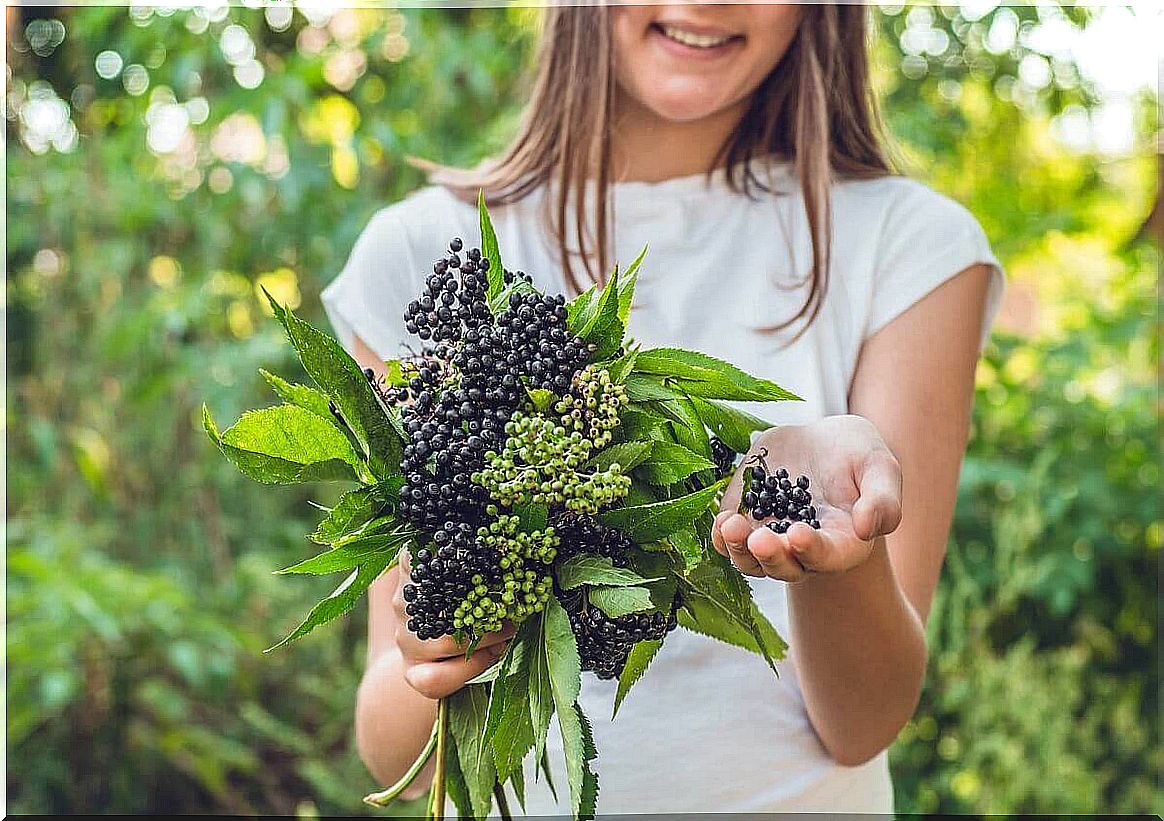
(877, 511)
(730, 501)
(732, 535)
(774, 556)
(437, 679)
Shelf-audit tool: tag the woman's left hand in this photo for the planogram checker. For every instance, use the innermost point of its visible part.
(856, 489)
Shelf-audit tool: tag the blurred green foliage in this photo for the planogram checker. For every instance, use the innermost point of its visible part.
(162, 164)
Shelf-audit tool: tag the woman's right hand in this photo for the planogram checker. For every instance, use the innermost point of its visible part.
(436, 668)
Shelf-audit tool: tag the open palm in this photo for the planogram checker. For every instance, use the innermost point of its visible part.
(856, 487)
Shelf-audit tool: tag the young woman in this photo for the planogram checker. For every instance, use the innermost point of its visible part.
(740, 143)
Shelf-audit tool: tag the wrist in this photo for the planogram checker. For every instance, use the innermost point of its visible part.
(873, 574)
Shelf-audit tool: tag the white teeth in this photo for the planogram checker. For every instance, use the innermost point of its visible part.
(690, 38)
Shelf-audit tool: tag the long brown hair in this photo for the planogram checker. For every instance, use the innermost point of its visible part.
(815, 108)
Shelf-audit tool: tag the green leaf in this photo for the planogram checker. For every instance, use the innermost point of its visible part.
(512, 735)
(626, 454)
(605, 329)
(342, 379)
(587, 569)
(353, 510)
(489, 248)
(578, 747)
(544, 766)
(581, 309)
(342, 599)
(304, 396)
(670, 463)
(701, 375)
(656, 521)
(641, 387)
(281, 448)
(467, 713)
(541, 695)
(626, 289)
(542, 398)
(352, 554)
(733, 426)
(639, 425)
(562, 660)
(620, 368)
(637, 661)
(719, 602)
(686, 543)
(619, 601)
(517, 781)
(458, 790)
(393, 375)
(533, 517)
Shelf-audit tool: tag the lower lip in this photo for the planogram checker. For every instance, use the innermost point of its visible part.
(695, 52)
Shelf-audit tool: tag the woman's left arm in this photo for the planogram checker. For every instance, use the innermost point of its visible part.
(861, 587)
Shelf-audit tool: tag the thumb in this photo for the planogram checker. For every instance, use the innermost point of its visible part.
(877, 511)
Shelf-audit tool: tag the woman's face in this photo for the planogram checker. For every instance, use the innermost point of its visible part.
(686, 61)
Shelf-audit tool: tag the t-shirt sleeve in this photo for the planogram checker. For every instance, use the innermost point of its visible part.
(926, 240)
(368, 297)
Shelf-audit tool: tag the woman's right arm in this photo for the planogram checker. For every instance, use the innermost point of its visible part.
(404, 676)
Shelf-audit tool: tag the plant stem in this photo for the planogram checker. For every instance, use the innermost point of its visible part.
(436, 801)
(385, 797)
(502, 801)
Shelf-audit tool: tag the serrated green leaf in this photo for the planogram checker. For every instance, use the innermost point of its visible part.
(304, 396)
(467, 712)
(342, 599)
(626, 289)
(542, 398)
(619, 601)
(275, 469)
(353, 510)
(489, 248)
(458, 791)
(544, 766)
(533, 517)
(562, 659)
(581, 309)
(626, 454)
(733, 426)
(670, 462)
(605, 329)
(587, 569)
(352, 554)
(570, 726)
(698, 374)
(720, 602)
(639, 425)
(517, 781)
(645, 387)
(541, 695)
(656, 521)
(686, 543)
(343, 381)
(637, 661)
(513, 736)
(291, 433)
(619, 369)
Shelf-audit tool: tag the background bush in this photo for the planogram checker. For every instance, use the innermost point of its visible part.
(163, 164)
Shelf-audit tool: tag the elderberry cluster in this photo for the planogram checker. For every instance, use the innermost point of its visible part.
(777, 496)
(723, 456)
(578, 533)
(463, 391)
(605, 642)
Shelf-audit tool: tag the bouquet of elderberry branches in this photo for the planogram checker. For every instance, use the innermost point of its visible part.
(541, 470)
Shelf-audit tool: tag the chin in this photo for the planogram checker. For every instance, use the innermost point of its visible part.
(683, 102)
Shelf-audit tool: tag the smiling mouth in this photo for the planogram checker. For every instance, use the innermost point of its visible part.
(694, 39)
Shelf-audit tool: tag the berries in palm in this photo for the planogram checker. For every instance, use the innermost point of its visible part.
(777, 497)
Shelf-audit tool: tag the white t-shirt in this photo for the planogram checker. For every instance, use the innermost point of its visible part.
(708, 728)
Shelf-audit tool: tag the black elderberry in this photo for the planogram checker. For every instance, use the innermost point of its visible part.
(773, 496)
(723, 456)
